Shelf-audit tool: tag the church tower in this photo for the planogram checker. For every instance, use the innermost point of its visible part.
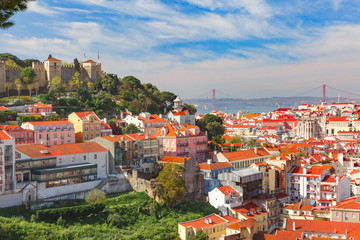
(178, 104)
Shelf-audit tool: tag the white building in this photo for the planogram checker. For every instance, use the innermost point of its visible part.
(148, 123)
(224, 198)
(7, 162)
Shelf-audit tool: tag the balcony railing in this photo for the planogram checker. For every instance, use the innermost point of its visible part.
(183, 153)
(183, 144)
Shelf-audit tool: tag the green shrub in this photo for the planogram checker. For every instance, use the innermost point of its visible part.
(70, 212)
(95, 196)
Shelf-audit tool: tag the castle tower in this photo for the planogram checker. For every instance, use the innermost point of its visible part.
(2, 76)
(90, 68)
(53, 68)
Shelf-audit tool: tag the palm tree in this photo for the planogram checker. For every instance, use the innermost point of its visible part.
(18, 86)
(8, 86)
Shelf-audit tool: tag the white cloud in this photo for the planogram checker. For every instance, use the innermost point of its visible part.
(40, 8)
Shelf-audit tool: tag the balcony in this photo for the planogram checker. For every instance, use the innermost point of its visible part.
(183, 153)
(183, 144)
(202, 151)
(201, 142)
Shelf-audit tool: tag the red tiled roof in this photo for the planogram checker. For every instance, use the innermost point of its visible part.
(105, 125)
(33, 150)
(4, 136)
(248, 223)
(203, 223)
(288, 235)
(249, 208)
(42, 123)
(171, 159)
(89, 61)
(85, 114)
(41, 105)
(152, 118)
(227, 190)
(52, 59)
(4, 109)
(127, 137)
(321, 226)
(214, 166)
(246, 154)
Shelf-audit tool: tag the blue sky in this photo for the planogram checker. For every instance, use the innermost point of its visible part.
(246, 48)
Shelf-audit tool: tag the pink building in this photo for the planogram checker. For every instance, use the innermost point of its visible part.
(183, 140)
(40, 108)
(52, 132)
(21, 136)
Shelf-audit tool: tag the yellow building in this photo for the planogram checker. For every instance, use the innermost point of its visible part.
(252, 211)
(87, 125)
(213, 225)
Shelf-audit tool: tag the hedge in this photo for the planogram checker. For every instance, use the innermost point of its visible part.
(69, 212)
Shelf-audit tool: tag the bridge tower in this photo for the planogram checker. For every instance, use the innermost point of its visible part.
(213, 99)
(324, 95)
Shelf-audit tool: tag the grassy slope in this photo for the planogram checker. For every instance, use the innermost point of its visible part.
(137, 221)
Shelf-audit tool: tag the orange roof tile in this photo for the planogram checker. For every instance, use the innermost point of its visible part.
(171, 159)
(42, 123)
(246, 154)
(227, 190)
(203, 222)
(321, 226)
(33, 150)
(4, 136)
(42, 105)
(85, 114)
(89, 61)
(52, 59)
(248, 223)
(4, 109)
(214, 166)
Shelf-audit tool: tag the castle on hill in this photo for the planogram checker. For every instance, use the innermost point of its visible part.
(47, 70)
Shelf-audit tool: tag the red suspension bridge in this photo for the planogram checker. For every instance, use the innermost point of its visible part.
(323, 87)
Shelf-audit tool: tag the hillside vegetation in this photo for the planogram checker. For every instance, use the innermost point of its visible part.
(127, 216)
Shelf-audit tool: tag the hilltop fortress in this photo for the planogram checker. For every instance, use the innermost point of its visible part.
(47, 70)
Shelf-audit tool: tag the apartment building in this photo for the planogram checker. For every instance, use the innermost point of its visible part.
(7, 163)
(183, 140)
(51, 133)
(87, 125)
(148, 123)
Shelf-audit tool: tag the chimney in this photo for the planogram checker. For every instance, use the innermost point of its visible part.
(294, 225)
(341, 158)
(304, 170)
(255, 150)
(209, 161)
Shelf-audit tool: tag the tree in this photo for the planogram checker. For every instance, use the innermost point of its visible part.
(173, 186)
(30, 87)
(8, 86)
(36, 85)
(90, 85)
(207, 119)
(236, 139)
(215, 129)
(110, 83)
(18, 86)
(131, 128)
(8, 8)
(27, 75)
(76, 65)
(201, 236)
(28, 62)
(190, 108)
(57, 88)
(95, 196)
(11, 64)
(75, 81)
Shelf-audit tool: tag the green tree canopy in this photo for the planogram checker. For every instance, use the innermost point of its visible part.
(76, 64)
(110, 83)
(8, 8)
(95, 196)
(27, 75)
(215, 129)
(173, 186)
(131, 128)
(190, 108)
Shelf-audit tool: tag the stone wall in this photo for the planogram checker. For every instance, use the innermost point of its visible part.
(9, 200)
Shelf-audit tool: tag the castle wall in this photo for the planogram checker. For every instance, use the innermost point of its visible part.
(47, 71)
(2, 76)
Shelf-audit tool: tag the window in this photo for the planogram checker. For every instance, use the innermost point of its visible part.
(69, 134)
(95, 156)
(353, 215)
(73, 159)
(55, 135)
(60, 160)
(40, 136)
(346, 216)
(84, 157)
